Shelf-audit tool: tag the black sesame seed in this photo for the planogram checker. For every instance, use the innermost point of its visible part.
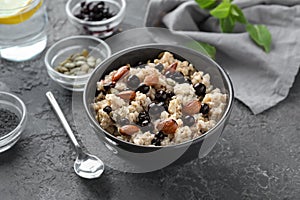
(204, 109)
(200, 89)
(107, 109)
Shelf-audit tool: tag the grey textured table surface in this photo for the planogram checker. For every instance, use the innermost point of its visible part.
(257, 157)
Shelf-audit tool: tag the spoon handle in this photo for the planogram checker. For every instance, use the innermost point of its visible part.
(62, 119)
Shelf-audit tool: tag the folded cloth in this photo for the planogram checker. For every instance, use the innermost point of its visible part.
(260, 80)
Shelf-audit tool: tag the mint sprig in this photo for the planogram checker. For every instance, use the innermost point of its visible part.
(229, 14)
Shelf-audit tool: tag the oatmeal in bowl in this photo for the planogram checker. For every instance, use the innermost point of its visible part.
(155, 104)
(164, 101)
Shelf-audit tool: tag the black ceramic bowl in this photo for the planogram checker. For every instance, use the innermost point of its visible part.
(149, 158)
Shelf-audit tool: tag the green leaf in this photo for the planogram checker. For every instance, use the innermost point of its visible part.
(260, 35)
(206, 4)
(204, 48)
(238, 14)
(221, 11)
(227, 24)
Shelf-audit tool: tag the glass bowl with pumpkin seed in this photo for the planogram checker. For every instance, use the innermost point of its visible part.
(70, 61)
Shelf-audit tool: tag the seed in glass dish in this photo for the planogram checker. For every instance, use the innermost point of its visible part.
(94, 11)
(78, 64)
(8, 121)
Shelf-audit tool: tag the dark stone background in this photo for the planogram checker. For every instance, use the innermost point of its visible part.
(257, 157)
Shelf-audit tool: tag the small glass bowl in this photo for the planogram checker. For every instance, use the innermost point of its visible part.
(103, 28)
(62, 49)
(14, 104)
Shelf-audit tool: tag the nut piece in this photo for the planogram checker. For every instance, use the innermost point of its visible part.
(127, 95)
(192, 108)
(172, 67)
(121, 72)
(128, 129)
(151, 80)
(168, 126)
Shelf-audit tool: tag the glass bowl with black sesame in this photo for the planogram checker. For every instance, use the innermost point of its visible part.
(162, 102)
(96, 17)
(13, 117)
(70, 61)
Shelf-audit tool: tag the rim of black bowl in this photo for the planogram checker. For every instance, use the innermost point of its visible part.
(223, 119)
(102, 22)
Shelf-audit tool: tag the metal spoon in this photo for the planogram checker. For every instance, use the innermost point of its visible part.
(86, 165)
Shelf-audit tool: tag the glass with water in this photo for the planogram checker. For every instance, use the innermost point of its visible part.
(23, 26)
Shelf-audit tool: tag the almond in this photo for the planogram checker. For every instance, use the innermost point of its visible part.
(128, 129)
(168, 126)
(151, 80)
(127, 95)
(120, 73)
(172, 67)
(192, 108)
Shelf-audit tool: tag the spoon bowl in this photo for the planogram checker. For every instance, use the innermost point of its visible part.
(86, 165)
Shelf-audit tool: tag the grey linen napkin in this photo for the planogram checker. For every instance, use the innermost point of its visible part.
(260, 80)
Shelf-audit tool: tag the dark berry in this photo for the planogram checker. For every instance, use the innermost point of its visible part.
(155, 109)
(107, 86)
(107, 109)
(161, 96)
(145, 123)
(170, 94)
(160, 135)
(124, 121)
(169, 74)
(82, 4)
(200, 89)
(159, 67)
(148, 127)
(133, 82)
(156, 142)
(80, 16)
(189, 120)
(178, 77)
(143, 116)
(143, 89)
(204, 109)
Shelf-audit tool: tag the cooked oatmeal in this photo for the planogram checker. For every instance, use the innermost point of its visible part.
(163, 102)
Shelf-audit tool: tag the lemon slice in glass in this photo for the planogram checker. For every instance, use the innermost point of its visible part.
(17, 11)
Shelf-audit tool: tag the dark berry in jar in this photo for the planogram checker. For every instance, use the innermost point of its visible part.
(145, 123)
(109, 85)
(188, 120)
(133, 82)
(200, 89)
(204, 109)
(156, 109)
(161, 96)
(124, 121)
(156, 142)
(143, 88)
(107, 109)
(178, 77)
(160, 135)
(159, 67)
